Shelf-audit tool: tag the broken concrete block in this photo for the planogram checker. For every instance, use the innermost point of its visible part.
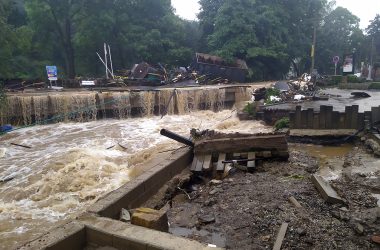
(326, 191)
(125, 216)
(150, 218)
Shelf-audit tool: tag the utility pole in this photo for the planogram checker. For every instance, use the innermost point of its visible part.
(313, 48)
(369, 78)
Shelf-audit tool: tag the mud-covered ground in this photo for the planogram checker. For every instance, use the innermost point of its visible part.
(246, 210)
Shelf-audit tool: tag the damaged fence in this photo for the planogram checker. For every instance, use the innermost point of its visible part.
(327, 118)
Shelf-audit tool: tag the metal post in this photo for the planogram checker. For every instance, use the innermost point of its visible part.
(106, 59)
(109, 51)
(313, 49)
(101, 59)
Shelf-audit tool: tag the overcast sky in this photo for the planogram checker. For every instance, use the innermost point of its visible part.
(366, 10)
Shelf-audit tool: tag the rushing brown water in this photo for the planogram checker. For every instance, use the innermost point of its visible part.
(69, 166)
(36, 108)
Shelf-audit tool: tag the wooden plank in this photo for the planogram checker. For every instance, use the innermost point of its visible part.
(335, 120)
(348, 110)
(326, 191)
(298, 117)
(360, 121)
(194, 164)
(354, 118)
(251, 164)
(292, 120)
(304, 119)
(280, 236)
(329, 117)
(295, 202)
(199, 165)
(310, 118)
(207, 162)
(342, 121)
(316, 120)
(241, 144)
(220, 165)
(236, 155)
(322, 117)
(375, 114)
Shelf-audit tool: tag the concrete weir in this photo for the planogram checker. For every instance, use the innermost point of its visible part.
(99, 226)
(81, 106)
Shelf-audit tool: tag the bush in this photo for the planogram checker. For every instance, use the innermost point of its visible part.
(335, 80)
(271, 92)
(250, 108)
(282, 123)
(374, 85)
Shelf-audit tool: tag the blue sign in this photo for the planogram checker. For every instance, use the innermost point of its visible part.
(52, 73)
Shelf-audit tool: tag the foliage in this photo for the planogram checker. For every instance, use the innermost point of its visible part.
(282, 123)
(335, 80)
(250, 108)
(271, 92)
(339, 34)
(355, 79)
(270, 35)
(374, 85)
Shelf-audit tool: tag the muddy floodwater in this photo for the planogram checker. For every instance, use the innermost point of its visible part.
(71, 165)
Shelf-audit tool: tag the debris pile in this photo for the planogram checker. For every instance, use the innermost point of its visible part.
(303, 88)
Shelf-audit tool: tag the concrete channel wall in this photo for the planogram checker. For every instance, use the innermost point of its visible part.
(327, 118)
(100, 227)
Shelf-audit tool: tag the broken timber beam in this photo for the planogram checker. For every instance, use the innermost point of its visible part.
(326, 191)
(280, 236)
(276, 144)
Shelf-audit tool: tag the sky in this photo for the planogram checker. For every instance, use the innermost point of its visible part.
(366, 10)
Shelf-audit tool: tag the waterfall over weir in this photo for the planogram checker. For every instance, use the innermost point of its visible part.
(27, 109)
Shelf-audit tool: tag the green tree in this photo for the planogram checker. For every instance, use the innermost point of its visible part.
(55, 21)
(373, 31)
(339, 34)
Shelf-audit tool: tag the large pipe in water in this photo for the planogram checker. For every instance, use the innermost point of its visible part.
(177, 137)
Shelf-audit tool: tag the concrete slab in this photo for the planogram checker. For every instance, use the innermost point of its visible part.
(326, 191)
(70, 236)
(124, 235)
(321, 132)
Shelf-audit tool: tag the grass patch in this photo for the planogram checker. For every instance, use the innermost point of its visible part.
(282, 123)
(250, 108)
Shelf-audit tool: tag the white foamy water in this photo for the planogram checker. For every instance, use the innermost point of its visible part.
(69, 166)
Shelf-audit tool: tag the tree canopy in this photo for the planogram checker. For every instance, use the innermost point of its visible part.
(270, 35)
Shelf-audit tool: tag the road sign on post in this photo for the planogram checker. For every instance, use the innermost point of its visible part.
(336, 60)
(52, 74)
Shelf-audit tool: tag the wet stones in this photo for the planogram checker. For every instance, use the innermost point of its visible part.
(206, 218)
(373, 146)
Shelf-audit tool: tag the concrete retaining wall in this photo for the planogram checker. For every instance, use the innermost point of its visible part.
(139, 190)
